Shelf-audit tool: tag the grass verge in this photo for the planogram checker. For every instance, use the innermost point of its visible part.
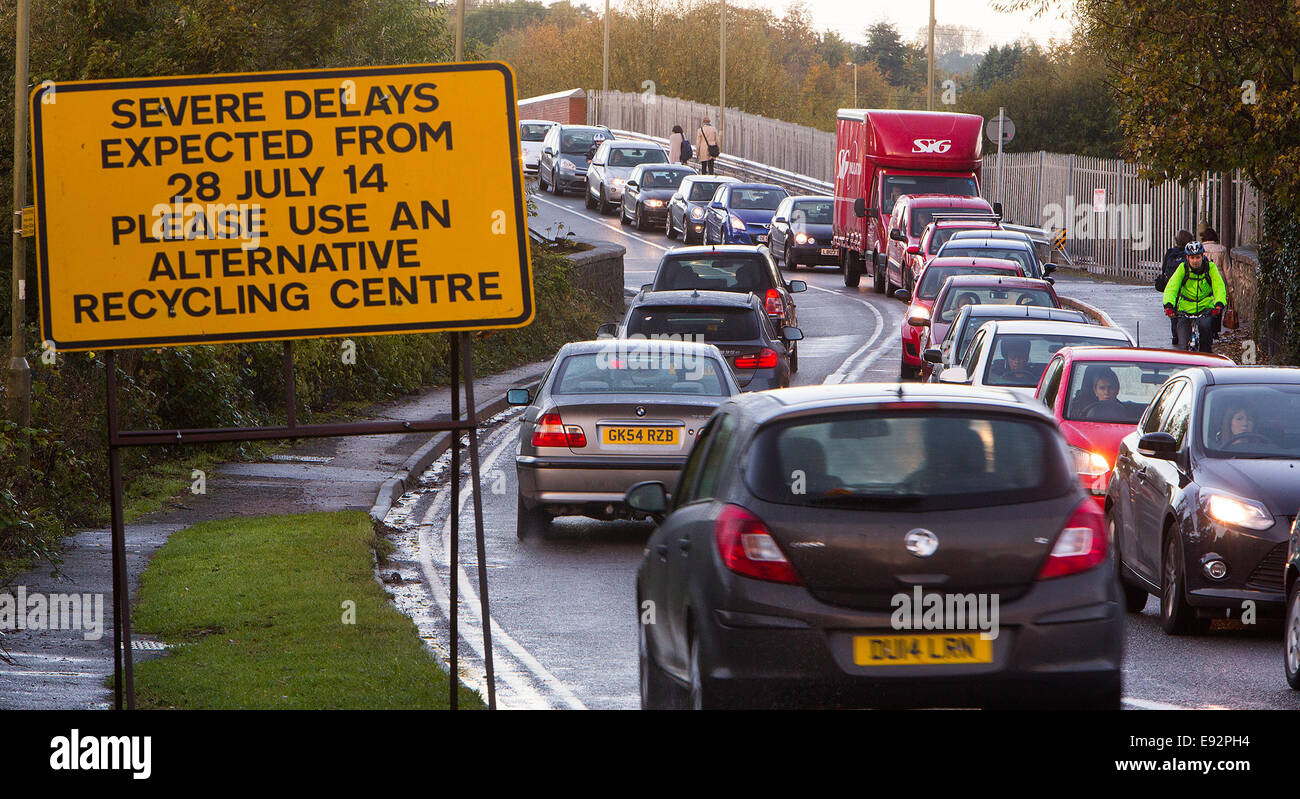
(257, 609)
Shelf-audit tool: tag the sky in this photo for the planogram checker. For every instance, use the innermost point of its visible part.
(850, 18)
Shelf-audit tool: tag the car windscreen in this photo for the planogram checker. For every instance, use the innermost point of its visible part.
(1018, 359)
(643, 369)
(722, 272)
(631, 156)
(896, 185)
(990, 295)
(907, 461)
(703, 191)
(940, 237)
(662, 178)
(935, 274)
(1251, 421)
(757, 199)
(532, 132)
(579, 142)
(1019, 255)
(812, 212)
(1114, 392)
(694, 323)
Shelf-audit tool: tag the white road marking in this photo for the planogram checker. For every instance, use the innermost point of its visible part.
(471, 600)
(601, 221)
(842, 374)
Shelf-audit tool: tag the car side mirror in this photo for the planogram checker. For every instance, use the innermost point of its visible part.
(676, 198)
(859, 207)
(954, 374)
(631, 184)
(518, 396)
(779, 219)
(1050, 280)
(997, 210)
(797, 286)
(903, 294)
(716, 205)
(896, 235)
(933, 355)
(548, 151)
(649, 497)
(1049, 268)
(1158, 445)
(647, 286)
(607, 330)
(791, 333)
(914, 249)
(918, 321)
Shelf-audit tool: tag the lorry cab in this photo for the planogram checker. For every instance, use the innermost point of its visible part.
(882, 155)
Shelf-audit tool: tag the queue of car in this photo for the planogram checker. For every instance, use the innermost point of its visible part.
(1049, 463)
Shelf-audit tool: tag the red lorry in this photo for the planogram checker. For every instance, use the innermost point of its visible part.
(884, 154)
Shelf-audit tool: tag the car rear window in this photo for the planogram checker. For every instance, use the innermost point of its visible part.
(934, 276)
(1268, 421)
(757, 199)
(700, 323)
(907, 460)
(630, 369)
(723, 272)
(529, 132)
(1131, 388)
(1019, 359)
(815, 212)
(702, 191)
(990, 295)
(662, 178)
(1020, 256)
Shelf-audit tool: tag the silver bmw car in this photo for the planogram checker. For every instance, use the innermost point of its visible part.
(606, 415)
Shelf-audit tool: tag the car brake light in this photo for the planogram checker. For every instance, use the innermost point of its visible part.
(747, 547)
(1080, 546)
(551, 431)
(764, 359)
(773, 303)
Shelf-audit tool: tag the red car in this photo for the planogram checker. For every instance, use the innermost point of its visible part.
(927, 289)
(982, 289)
(1098, 395)
(912, 214)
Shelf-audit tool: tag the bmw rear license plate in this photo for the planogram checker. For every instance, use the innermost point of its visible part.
(665, 436)
(921, 650)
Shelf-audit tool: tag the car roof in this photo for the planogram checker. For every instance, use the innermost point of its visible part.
(947, 200)
(801, 197)
(633, 144)
(669, 167)
(716, 178)
(973, 260)
(988, 242)
(604, 344)
(1252, 374)
(739, 185)
(964, 224)
(538, 122)
(722, 249)
(1143, 354)
(998, 280)
(701, 297)
(1053, 326)
(990, 233)
(767, 406)
(995, 311)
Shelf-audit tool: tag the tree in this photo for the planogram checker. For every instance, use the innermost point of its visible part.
(886, 49)
(486, 22)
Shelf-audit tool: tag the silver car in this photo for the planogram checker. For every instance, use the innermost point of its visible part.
(609, 414)
(612, 165)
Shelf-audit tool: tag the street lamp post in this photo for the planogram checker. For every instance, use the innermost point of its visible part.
(460, 30)
(20, 374)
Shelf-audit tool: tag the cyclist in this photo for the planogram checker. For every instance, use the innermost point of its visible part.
(1194, 287)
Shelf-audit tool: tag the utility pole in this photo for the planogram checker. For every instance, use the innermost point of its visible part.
(20, 374)
(929, 67)
(722, 78)
(460, 30)
(605, 82)
(855, 83)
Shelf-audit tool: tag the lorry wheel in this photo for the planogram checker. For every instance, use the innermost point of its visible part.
(852, 269)
(877, 277)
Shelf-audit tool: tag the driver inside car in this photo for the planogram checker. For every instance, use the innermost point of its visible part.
(1016, 366)
(1238, 423)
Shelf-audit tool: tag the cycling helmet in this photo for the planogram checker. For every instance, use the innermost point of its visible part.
(1194, 248)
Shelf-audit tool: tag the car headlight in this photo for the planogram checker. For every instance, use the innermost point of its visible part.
(1089, 464)
(567, 165)
(697, 213)
(918, 312)
(654, 203)
(617, 182)
(737, 223)
(1236, 511)
(803, 238)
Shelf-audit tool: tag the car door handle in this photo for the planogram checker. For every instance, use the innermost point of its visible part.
(662, 549)
(684, 544)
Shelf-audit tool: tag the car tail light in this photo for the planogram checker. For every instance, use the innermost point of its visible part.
(764, 359)
(551, 431)
(773, 303)
(747, 547)
(1080, 546)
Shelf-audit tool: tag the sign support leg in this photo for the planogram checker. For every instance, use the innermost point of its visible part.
(467, 356)
(454, 512)
(123, 665)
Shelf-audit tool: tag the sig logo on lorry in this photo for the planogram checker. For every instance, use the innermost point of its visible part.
(931, 145)
(843, 166)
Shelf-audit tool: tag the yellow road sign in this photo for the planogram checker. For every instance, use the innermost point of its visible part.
(223, 208)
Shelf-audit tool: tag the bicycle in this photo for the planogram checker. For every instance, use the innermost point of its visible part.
(1194, 339)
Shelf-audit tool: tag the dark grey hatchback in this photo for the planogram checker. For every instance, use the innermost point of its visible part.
(877, 546)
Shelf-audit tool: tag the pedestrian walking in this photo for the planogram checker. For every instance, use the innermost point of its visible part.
(707, 146)
(678, 146)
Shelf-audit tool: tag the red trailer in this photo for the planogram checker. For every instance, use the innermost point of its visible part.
(883, 154)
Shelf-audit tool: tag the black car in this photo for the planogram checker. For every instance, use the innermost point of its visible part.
(809, 526)
(687, 207)
(566, 154)
(736, 324)
(733, 268)
(647, 192)
(997, 244)
(801, 232)
(1204, 494)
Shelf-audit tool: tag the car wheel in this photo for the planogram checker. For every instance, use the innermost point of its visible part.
(1176, 616)
(703, 696)
(786, 260)
(852, 269)
(668, 227)
(1135, 597)
(877, 277)
(622, 215)
(531, 522)
(794, 358)
(1291, 653)
(541, 181)
(602, 204)
(591, 201)
(658, 690)
(638, 220)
